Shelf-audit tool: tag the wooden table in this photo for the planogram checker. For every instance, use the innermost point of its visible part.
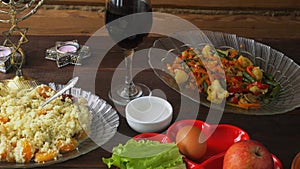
(280, 133)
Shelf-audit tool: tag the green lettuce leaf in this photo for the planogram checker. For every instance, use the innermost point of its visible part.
(145, 154)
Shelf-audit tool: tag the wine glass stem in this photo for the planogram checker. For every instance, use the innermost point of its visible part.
(130, 88)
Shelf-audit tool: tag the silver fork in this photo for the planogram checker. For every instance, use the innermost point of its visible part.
(69, 85)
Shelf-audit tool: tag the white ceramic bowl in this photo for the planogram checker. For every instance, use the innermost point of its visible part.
(148, 114)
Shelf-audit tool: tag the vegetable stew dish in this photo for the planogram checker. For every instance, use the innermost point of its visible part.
(245, 85)
(214, 67)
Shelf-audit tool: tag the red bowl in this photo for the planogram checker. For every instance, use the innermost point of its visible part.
(222, 137)
(219, 137)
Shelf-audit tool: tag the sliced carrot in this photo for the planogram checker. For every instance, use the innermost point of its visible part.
(45, 156)
(200, 70)
(201, 80)
(42, 90)
(3, 156)
(26, 151)
(208, 82)
(233, 53)
(248, 105)
(244, 106)
(3, 119)
(42, 112)
(66, 147)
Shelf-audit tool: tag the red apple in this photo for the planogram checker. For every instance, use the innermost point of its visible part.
(248, 154)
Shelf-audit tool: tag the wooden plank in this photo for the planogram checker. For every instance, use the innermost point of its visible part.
(61, 22)
(75, 2)
(249, 25)
(76, 22)
(198, 4)
(230, 4)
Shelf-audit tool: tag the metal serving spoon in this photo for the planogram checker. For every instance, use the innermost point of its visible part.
(69, 85)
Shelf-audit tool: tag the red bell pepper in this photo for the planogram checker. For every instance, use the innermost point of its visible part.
(258, 84)
(238, 90)
(249, 71)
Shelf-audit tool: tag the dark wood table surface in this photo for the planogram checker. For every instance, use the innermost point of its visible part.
(280, 133)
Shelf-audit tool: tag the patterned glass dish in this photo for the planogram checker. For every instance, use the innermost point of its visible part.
(104, 122)
(282, 68)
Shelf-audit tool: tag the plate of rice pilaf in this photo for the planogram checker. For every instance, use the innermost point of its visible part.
(67, 127)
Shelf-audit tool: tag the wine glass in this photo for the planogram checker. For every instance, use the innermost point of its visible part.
(128, 22)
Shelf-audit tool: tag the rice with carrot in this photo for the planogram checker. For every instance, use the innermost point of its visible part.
(31, 133)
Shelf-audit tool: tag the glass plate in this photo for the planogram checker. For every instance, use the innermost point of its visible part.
(104, 124)
(284, 70)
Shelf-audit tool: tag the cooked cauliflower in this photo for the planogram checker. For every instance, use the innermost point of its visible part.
(216, 93)
(206, 51)
(180, 76)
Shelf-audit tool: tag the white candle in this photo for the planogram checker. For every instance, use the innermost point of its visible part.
(68, 47)
(4, 51)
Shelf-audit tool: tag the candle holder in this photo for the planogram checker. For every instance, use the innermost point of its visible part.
(13, 12)
(68, 52)
(5, 53)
